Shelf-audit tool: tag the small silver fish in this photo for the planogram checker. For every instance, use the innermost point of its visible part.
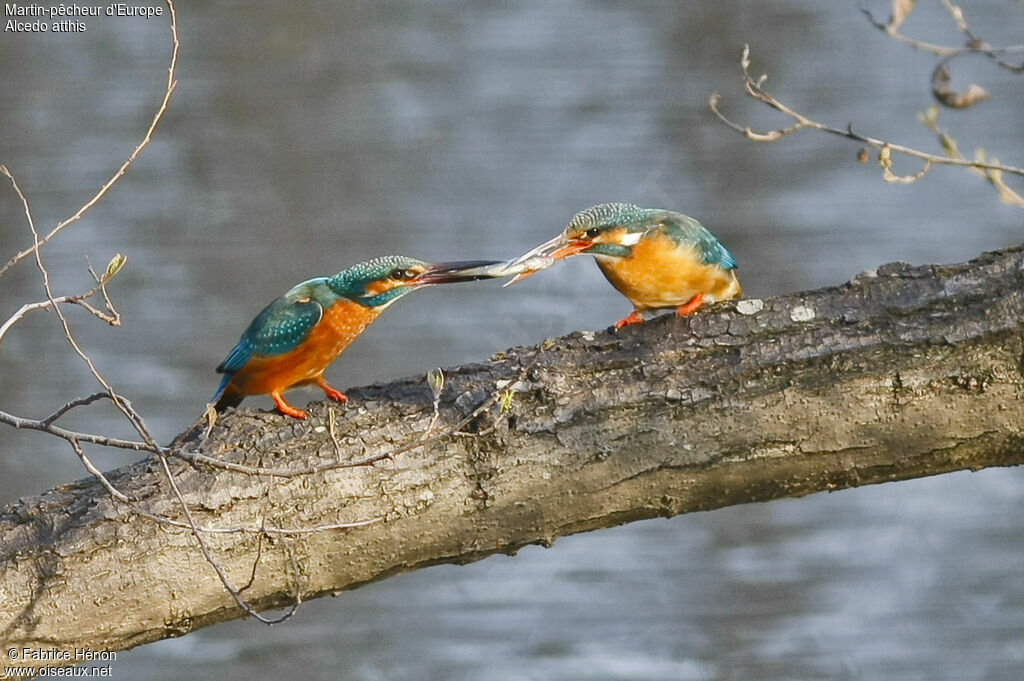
(534, 260)
(521, 267)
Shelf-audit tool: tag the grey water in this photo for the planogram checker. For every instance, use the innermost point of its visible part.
(305, 136)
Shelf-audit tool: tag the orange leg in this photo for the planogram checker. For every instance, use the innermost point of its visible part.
(335, 395)
(285, 408)
(633, 318)
(691, 305)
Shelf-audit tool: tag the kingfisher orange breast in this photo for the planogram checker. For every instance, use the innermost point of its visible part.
(340, 325)
(661, 273)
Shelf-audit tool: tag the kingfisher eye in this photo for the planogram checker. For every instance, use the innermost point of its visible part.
(593, 232)
(400, 274)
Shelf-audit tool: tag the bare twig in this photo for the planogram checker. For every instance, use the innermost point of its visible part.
(929, 119)
(330, 526)
(119, 401)
(198, 534)
(332, 420)
(294, 565)
(256, 560)
(80, 402)
(975, 45)
(110, 316)
(103, 440)
(755, 90)
(76, 439)
(171, 84)
(97, 473)
(435, 379)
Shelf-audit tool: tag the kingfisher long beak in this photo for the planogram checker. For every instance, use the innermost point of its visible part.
(545, 255)
(570, 247)
(464, 270)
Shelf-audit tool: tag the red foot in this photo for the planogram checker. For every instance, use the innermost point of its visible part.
(285, 408)
(335, 395)
(633, 318)
(691, 305)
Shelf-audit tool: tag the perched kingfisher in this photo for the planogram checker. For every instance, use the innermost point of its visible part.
(293, 340)
(656, 258)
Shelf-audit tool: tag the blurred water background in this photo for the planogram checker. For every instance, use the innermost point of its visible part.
(305, 136)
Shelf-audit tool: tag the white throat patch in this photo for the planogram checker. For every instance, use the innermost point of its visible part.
(630, 238)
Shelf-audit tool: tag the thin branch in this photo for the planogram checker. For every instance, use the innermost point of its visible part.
(119, 401)
(949, 145)
(97, 473)
(102, 440)
(755, 90)
(198, 534)
(330, 526)
(921, 45)
(256, 560)
(80, 402)
(171, 84)
(76, 439)
(975, 45)
(940, 76)
(111, 316)
(332, 420)
(435, 379)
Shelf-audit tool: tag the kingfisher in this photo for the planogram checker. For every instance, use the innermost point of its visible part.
(656, 258)
(294, 339)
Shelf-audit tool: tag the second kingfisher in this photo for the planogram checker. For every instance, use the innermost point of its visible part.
(293, 340)
(656, 258)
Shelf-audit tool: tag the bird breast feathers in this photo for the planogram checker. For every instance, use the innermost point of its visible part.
(661, 272)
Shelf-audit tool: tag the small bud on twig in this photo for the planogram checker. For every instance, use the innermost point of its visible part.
(435, 378)
(114, 266)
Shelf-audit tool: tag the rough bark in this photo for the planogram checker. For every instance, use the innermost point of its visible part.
(902, 372)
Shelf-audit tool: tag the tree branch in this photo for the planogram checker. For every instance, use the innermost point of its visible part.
(755, 90)
(974, 45)
(902, 372)
(991, 170)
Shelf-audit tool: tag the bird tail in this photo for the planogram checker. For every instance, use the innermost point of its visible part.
(735, 290)
(226, 395)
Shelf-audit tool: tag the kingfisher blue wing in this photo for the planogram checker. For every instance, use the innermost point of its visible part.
(715, 253)
(280, 327)
(684, 229)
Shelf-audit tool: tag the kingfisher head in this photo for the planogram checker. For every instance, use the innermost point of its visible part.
(381, 281)
(607, 229)
(610, 229)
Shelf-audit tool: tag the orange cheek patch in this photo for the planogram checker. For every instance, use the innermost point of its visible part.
(378, 287)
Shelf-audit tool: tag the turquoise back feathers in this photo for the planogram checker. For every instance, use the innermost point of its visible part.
(283, 324)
